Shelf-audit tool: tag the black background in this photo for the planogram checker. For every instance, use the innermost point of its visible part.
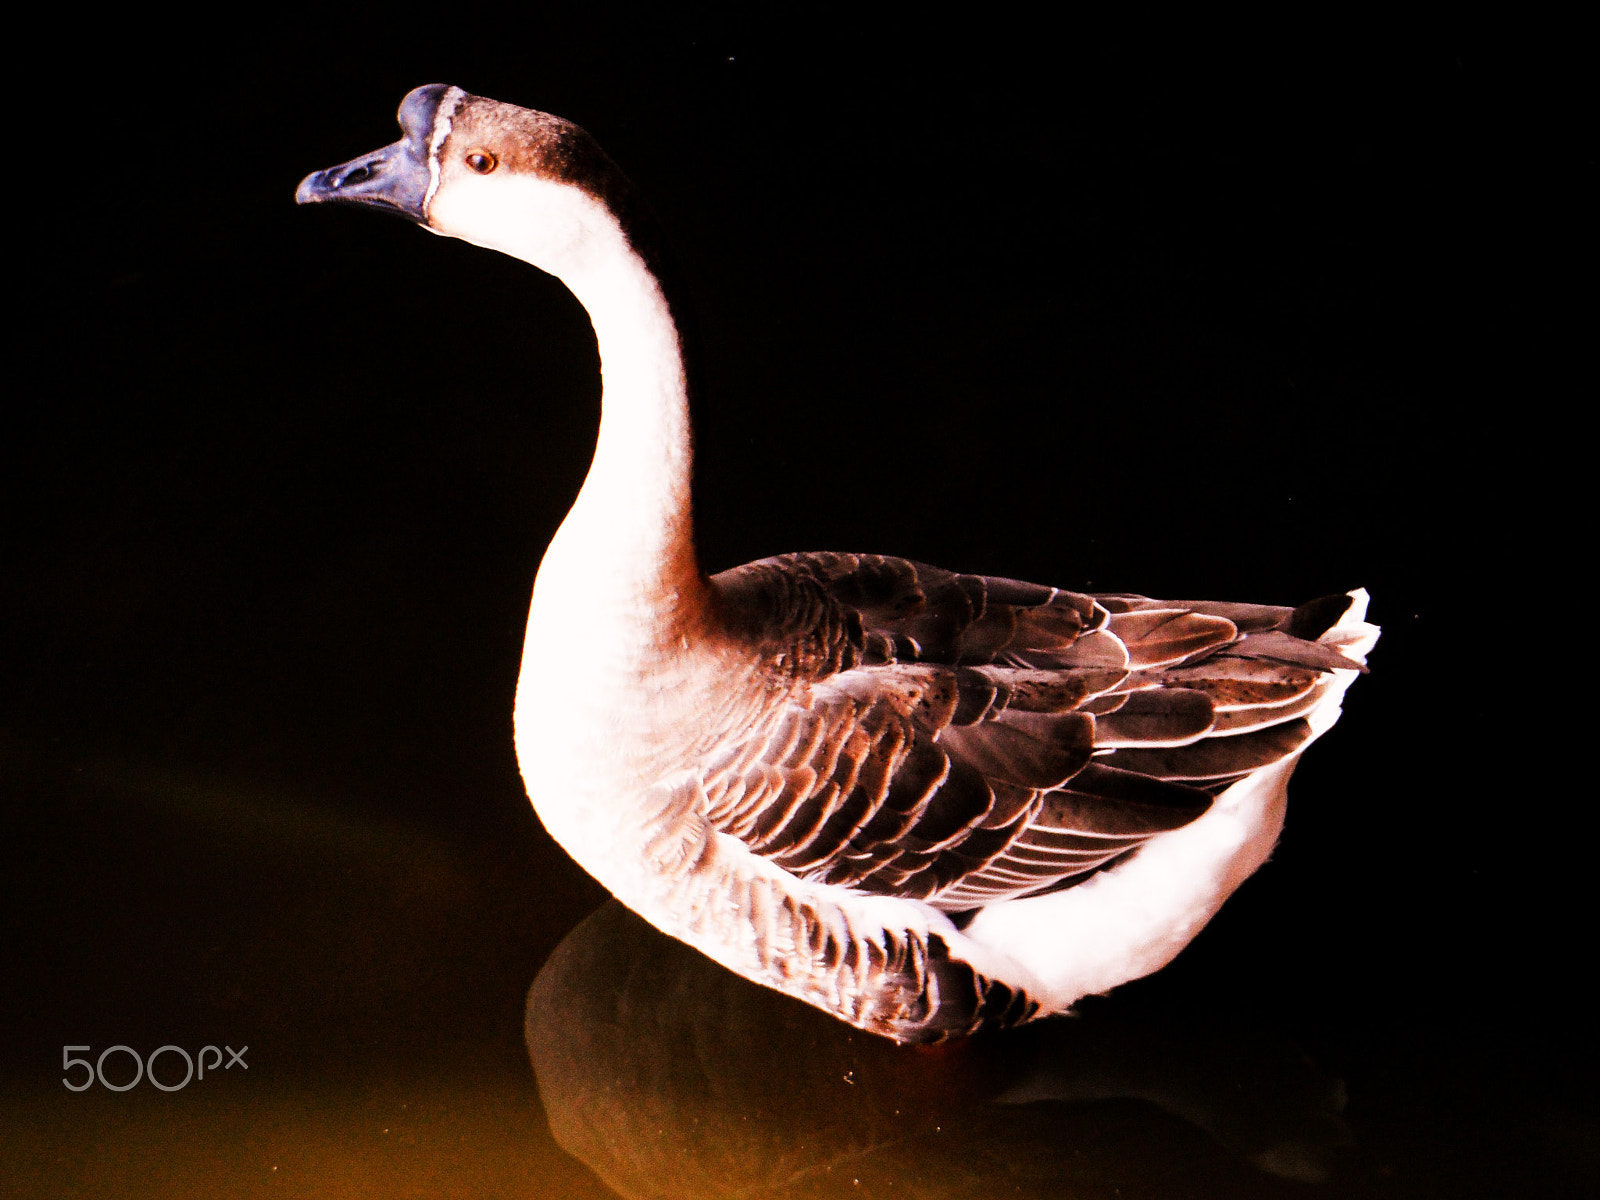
(1249, 315)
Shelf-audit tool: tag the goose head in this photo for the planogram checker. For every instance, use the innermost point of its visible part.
(510, 179)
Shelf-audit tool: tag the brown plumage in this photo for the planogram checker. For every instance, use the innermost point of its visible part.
(961, 739)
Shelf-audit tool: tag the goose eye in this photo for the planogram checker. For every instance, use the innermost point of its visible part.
(482, 161)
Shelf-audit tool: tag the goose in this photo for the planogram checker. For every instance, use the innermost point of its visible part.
(927, 802)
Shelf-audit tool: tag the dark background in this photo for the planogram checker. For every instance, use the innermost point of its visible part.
(1249, 315)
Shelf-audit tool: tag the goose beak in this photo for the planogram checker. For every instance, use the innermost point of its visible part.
(393, 180)
(399, 178)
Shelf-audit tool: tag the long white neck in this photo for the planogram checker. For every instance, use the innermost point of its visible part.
(619, 599)
(626, 550)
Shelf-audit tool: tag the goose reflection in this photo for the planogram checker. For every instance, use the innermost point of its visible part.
(670, 1077)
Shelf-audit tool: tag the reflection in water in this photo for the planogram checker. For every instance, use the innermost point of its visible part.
(670, 1077)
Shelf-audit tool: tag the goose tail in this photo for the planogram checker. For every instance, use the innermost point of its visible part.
(1130, 921)
(1353, 636)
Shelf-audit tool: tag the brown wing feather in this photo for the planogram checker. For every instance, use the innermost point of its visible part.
(965, 739)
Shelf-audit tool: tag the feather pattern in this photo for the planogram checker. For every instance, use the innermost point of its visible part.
(962, 739)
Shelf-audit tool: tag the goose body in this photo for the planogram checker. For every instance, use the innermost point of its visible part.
(924, 801)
